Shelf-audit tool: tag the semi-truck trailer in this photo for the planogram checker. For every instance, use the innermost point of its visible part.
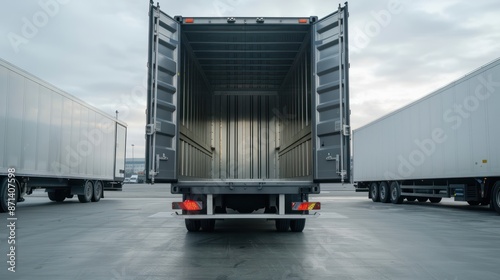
(246, 116)
(442, 145)
(52, 140)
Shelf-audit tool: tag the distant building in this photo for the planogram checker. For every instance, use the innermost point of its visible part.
(134, 166)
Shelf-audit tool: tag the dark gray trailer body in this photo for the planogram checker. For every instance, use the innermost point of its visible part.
(55, 141)
(443, 145)
(247, 111)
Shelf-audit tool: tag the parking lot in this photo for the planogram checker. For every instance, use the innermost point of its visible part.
(132, 235)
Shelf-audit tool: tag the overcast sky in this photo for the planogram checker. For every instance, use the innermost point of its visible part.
(400, 50)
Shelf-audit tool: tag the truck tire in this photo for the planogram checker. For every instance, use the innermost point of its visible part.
(435, 199)
(495, 197)
(207, 225)
(4, 195)
(395, 190)
(384, 192)
(192, 225)
(374, 192)
(88, 192)
(57, 195)
(297, 225)
(98, 187)
(282, 225)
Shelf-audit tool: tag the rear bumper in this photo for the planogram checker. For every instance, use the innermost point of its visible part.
(245, 216)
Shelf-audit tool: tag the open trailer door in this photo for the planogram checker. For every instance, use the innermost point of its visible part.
(161, 128)
(331, 133)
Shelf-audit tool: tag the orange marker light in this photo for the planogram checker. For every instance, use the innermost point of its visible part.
(303, 20)
(189, 20)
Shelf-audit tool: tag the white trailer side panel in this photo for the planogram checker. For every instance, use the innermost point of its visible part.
(46, 132)
(452, 133)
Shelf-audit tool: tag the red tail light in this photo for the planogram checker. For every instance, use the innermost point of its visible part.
(188, 205)
(304, 206)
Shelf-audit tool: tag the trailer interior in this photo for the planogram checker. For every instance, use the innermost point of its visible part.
(245, 102)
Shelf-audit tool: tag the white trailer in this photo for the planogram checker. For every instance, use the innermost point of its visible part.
(50, 139)
(443, 145)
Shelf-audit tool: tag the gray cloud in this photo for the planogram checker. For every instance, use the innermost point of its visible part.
(426, 46)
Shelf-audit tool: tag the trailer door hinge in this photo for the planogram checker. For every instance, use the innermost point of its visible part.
(152, 128)
(346, 130)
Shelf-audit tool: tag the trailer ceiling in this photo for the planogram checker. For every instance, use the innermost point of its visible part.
(246, 59)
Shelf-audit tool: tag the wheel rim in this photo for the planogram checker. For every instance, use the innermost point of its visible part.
(374, 191)
(88, 189)
(382, 191)
(394, 193)
(98, 189)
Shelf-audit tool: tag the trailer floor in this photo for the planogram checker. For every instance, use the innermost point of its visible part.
(130, 235)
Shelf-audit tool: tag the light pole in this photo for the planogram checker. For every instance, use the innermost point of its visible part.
(133, 159)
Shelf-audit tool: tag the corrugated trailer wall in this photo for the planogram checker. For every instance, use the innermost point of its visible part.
(195, 153)
(245, 137)
(295, 154)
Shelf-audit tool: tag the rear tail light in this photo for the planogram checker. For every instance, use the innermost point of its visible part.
(304, 206)
(188, 205)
